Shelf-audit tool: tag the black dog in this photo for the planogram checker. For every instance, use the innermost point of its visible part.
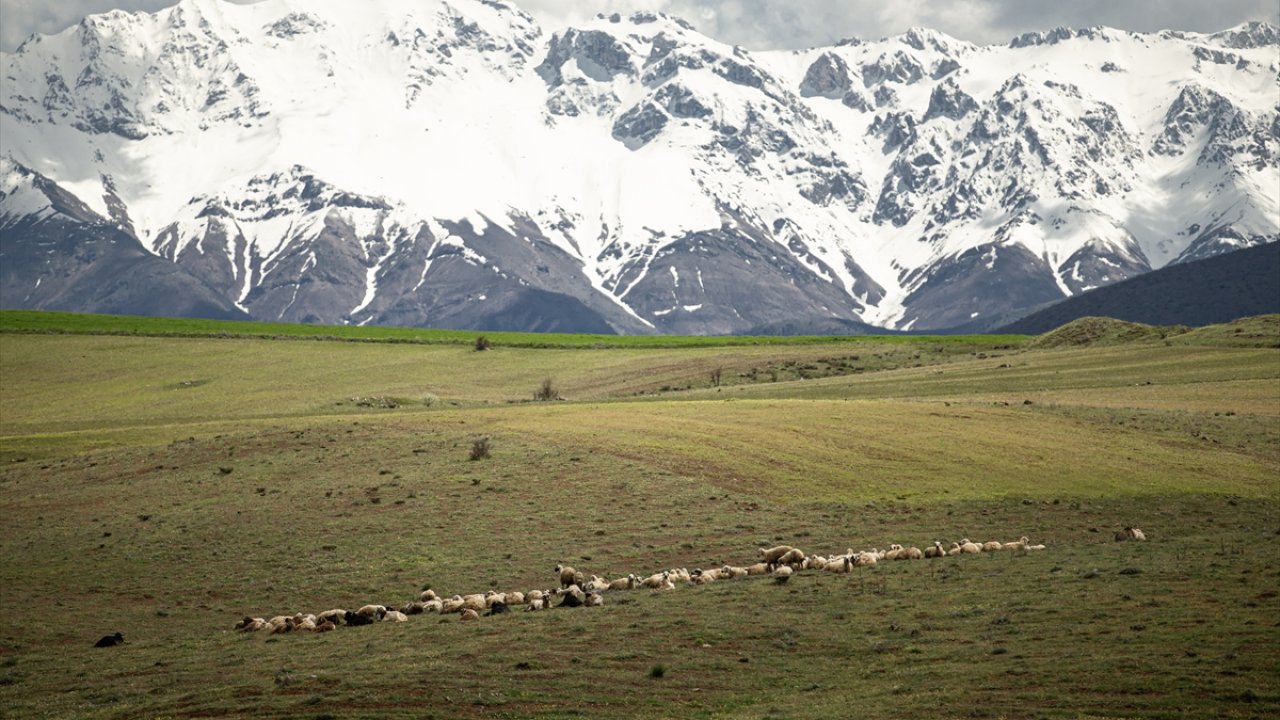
(110, 641)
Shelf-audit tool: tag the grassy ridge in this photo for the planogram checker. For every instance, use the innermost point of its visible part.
(38, 321)
(166, 486)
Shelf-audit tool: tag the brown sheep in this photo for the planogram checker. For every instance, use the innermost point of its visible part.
(568, 576)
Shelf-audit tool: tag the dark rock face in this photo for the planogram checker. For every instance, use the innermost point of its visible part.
(1231, 132)
(828, 76)
(899, 67)
(1219, 240)
(726, 281)
(639, 125)
(1215, 290)
(991, 280)
(1097, 264)
(949, 101)
(1254, 34)
(74, 260)
(599, 55)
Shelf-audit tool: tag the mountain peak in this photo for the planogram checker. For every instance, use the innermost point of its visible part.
(1247, 35)
(926, 39)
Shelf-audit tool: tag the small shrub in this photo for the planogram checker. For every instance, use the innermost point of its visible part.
(479, 448)
(657, 671)
(482, 343)
(546, 391)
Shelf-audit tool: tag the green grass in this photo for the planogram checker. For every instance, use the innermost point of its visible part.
(38, 321)
(167, 486)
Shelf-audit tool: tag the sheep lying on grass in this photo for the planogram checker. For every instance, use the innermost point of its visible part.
(1130, 533)
(780, 563)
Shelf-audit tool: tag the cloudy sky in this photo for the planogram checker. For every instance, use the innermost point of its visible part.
(770, 24)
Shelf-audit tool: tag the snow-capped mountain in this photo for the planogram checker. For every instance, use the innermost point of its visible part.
(447, 163)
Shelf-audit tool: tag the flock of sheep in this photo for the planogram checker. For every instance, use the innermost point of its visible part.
(577, 590)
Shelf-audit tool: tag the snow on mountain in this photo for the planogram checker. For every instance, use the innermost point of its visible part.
(446, 163)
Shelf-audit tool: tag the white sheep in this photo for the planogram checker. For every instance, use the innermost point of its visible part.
(251, 624)
(469, 614)
(759, 568)
(782, 573)
(791, 557)
(771, 555)
(1020, 544)
(1130, 533)
(992, 546)
(935, 551)
(911, 553)
(593, 600)
(596, 584)
(657, 580)
(395, 616)
(428, 594)
(334, 616)
(375, 612)
(841, 564)
(626, 583)
(733, 572)
(278, 620)
(813, 562)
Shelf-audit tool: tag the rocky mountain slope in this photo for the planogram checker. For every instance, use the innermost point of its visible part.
(447, 163)
(1201, 292)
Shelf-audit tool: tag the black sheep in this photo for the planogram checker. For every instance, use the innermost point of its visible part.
(497, 609)
(355, 619)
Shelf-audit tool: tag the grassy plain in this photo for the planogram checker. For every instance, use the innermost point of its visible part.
(167, 486)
